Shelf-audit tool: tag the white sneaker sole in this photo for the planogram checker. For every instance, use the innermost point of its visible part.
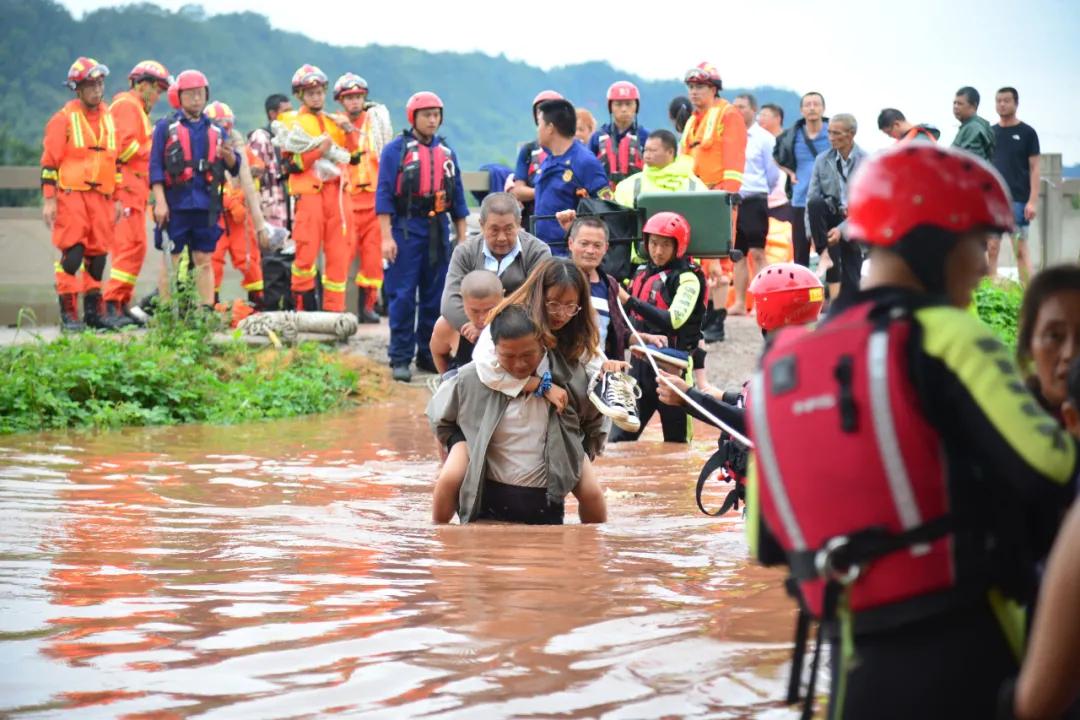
(615, 414)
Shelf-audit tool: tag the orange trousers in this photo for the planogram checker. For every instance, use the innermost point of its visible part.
(126, 255)
(318, 225)
(368, 241)
(242, 246)
(82, 218)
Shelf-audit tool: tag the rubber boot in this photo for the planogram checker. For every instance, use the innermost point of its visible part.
(381, 304)
(713, 327)
(305, 301)
(115, 314)
(94, 312)
(69, 313)
(363, 313)
(255, 299)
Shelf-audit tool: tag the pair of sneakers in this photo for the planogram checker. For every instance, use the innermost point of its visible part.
(615, 395)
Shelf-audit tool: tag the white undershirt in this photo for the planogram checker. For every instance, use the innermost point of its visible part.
(515, 454)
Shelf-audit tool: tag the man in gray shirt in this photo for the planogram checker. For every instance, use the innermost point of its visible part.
(826, 205)
(501, 247)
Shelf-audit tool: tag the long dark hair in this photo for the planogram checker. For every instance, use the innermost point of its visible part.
(578, 338)
(1049, 282)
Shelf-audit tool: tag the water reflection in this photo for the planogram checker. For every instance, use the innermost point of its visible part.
(288, 569)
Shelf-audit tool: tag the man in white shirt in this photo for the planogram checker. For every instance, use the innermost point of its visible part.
(752, 221)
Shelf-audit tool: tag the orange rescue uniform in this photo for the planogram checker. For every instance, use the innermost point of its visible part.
(239, 240)
(361, 179)
(78, 168)
(134, 134)
(318, 222)
(716, 139)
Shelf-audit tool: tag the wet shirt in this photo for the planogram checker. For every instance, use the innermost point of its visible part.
(516, 453)
(194, 195)
(1013, 147)
(561, 181)
(804, 163)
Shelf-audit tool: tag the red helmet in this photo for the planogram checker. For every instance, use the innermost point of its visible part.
(308, 76)
(220, 113)
(150, 70)
(786, 294)
(187, 80)
(916, 184)
(85, 69)
(422, 100)
(623, 90)
(350, 84)
(672, 225)
(545, 95)
(704, 73)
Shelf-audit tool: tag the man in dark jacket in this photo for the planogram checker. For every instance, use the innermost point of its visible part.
(588, 244)
(974, 134)
(795, 152)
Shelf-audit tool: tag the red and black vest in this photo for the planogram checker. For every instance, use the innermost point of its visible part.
(622, 160)
(873, 512)
(425, 181)
(537, 155)
(181, 166)
(657, 287)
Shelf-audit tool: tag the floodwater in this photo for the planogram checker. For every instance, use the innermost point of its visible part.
(288, 569)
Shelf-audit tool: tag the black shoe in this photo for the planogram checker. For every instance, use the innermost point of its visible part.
(148, 304)
(401, 373)
(256, 300)
(305, 301)
(94, 312)
(115, 315)
(425, 363)
(713, 327)
(363, 314)
(69, 313)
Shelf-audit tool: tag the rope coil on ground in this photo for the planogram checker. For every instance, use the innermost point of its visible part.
(288, 324)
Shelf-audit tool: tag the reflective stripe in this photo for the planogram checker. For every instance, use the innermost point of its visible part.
(364, 281)
(121, 276)
(733, 175)
(333, 286)
(49, 175)
(770, 468)
(299, 271)
(892, 459)
(77, 138)
(254, 286)
(129, 151)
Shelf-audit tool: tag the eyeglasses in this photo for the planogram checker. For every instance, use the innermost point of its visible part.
(557, 308)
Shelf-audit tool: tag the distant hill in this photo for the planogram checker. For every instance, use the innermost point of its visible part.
(487, 98)
(1071, 171)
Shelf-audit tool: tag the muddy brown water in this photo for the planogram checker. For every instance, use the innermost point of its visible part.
(288, 569)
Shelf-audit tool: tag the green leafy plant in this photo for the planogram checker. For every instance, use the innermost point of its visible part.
(998, 304)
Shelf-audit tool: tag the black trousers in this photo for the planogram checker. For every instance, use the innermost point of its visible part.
(510, 503)
(846, 255)
(800, 241)
(277, 276)
(674, 420)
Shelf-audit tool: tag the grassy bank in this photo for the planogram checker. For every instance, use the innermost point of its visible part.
(998, 303)
(172, 374)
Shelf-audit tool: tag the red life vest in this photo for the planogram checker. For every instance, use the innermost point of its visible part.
(619, 163)
(658, 289)
(537, 155)
(881, 490)
(425, 181)
(180, 166)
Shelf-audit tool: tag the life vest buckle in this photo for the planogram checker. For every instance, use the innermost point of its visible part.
(825, 561)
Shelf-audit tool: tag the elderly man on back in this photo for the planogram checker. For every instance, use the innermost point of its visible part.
(501, 247)
(826, 205)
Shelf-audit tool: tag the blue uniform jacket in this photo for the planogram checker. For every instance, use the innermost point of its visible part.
(557, 185)
(616, 136)
(389, 166)
(194, 195)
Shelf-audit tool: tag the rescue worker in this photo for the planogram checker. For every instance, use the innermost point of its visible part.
(189, 156)
(529, 159)
(945, 479)
(893, 123)
(241, 238)
(419, 190)
(667, 297)
(715, 134)
(619, 144)
(130, 111)
(319, 223)
(363, 173)
(79, 177)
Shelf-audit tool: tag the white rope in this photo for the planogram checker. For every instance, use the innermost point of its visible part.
(290, 324)
(689, 401)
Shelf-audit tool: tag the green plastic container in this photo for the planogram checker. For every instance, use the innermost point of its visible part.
(709, 215)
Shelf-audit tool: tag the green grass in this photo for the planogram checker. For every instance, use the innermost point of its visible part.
(169, 375)
(998, 304)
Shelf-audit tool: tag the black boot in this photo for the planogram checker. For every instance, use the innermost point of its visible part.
(713, 327)
(69, 313)
(116, 315)
(94, 311)
(255, 299)
(305, 301)
(363, 314)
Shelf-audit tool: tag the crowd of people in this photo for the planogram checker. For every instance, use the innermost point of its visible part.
(916, 519)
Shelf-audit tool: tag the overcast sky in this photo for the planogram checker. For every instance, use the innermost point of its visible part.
(911, 54)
